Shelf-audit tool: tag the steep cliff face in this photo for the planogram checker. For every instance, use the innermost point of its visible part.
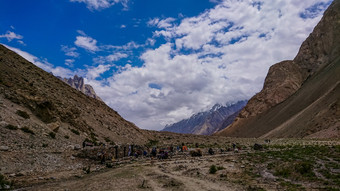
(78, 83)
(288, 80)
(209, 122)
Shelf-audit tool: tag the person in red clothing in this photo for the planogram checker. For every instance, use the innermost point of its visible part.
(184, 148)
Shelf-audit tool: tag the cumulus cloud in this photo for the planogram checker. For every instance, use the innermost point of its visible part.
(9, 35)
(87, 43)
(102, 4)
(161, 23)
(70, 51)
(219, 56)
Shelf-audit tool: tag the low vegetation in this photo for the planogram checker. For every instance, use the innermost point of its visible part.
(75, 131)
(11, 127)
(22, 114)
(295, 166)
(27, 130)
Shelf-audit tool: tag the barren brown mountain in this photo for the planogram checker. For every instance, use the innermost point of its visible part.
(49, 103)
(300, 98)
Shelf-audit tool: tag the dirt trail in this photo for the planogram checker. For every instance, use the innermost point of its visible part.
(180, 173)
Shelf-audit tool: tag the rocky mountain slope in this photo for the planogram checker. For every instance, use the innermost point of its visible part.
(78, 83)
(300, 97)
(209, 122)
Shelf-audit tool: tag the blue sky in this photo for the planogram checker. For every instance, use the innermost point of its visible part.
(159, 61)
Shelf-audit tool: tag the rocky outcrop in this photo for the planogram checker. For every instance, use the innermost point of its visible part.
(209, 122)
(288, 80)
(78, 83)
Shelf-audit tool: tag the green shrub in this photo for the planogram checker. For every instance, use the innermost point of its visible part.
(52, 135)
(4, 182)
(27, 130)
(56, 130)
(283, 172)
(212, 169)
(11, 127)
(75, 131)
(22, 114)
(107, 139)
(305, 169)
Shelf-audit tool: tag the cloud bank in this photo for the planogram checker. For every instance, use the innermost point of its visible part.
(219, 56)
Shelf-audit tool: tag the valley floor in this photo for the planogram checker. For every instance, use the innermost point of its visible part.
(314, 165)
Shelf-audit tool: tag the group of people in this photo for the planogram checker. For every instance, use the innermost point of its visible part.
(155, 152)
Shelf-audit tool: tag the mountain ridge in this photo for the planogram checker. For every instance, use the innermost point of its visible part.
(298, 79)
(208, 122)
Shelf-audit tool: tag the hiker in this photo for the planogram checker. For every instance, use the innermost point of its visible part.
(84, 144)
(184, 148)
(153, 152)
(129, 153)
(211, 151)
(234, 146)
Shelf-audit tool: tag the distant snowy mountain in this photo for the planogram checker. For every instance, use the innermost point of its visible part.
(208, 122)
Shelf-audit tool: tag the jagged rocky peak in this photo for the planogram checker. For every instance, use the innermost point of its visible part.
(78, 83)
(208, 122)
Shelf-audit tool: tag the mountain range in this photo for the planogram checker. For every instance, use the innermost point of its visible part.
(300, 97)
(208, 122)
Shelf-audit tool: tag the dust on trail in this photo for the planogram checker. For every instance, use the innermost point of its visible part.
(179, 173)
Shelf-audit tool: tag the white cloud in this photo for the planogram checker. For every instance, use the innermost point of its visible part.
(102, 4)
(70, 51)
(9, 35)
(87, 43)
(219, 56)
(95, 72)
(164, 23)
(69, 62)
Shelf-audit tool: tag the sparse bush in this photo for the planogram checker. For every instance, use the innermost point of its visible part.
(305, 169)
(220, 168)
(75, 131)
(27, 130)
(212, 169)
(5, 184)
(11, 127)
(44, 145)
(87, 170)
(22, 114)
(255, 188)
(56, 129)
(52, 135)
(283, 172)
(107, 139)
(109, 165)
(152, 143)
(67, 137)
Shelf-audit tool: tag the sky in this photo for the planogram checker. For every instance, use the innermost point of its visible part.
(157, 62)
